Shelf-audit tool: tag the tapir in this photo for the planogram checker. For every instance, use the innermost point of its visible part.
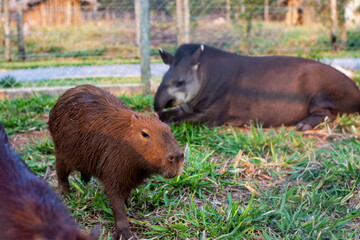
(209, 85)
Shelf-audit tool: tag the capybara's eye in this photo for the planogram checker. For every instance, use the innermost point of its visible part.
(144, 134)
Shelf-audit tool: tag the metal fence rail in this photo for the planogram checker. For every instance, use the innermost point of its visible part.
(106, 34)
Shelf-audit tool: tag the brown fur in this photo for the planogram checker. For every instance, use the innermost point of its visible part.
(29, 208)
(96, 134)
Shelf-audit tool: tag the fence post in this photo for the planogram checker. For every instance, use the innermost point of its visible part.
(228, 11)
(20, 31)
(183, 21)
(186, 15)
(7, 31)
(333, 25)
(179, 22)
(137, 24)
(266, 11)
(145, 44)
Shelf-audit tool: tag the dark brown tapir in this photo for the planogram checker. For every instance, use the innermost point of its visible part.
(209, 85)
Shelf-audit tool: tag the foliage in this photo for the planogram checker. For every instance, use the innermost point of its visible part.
(25, 114)
(9, 82)
(353, 38)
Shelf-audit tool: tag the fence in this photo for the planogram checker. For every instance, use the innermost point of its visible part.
(94, 48)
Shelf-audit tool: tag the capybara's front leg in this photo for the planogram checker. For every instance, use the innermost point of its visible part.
(117, 203)
(62, 173)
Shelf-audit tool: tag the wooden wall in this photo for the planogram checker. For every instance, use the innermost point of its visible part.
(53, 13)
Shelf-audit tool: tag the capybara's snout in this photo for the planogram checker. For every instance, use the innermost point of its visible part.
(174, 165)
(176, 157)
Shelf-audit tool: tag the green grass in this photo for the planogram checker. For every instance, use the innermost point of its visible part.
(71, 61)
(25, 114)
(73, 82)
(247, 183)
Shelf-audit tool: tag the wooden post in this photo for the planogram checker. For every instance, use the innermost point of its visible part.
(7, 31)
(179, 22)
(334, 24)
(137, 24)
(20, 31)
(68, 9)
(186, 16)
(228, 10)
(145, 45)
(266, 11)
(183, 21)
(342, 24)
(343, 36)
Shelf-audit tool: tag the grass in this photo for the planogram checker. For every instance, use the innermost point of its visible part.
(237, 183)
(72, 82)
(70, 61)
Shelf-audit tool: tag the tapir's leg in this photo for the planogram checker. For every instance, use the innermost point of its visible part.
(171, 115)
(183, 113)
(177, 114)
(317, 115)
(63, 174)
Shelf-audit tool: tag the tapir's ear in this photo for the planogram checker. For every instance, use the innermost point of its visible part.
(196, 56)
(166, 57)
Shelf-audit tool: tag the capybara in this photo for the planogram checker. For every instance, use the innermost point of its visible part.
(29, 208)
(95, 133)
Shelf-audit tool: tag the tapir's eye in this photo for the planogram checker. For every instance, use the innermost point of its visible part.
(144, 134)
(180, 83)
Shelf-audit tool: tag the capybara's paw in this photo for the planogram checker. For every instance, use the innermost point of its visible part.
(119, 236)
(65, 189)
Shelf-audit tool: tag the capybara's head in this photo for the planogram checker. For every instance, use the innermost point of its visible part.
(153, 140)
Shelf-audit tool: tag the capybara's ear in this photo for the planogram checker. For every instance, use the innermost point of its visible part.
(156, 115)
(134, 119)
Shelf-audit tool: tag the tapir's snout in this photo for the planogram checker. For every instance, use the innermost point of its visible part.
(163, 99)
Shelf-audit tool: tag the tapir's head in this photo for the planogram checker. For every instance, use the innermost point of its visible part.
(181, 83)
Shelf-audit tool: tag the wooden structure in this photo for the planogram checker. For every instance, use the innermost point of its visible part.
(46, 13)
(298, 11)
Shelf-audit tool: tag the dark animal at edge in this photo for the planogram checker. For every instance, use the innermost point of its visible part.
(209, 85)
(29, 208)
(95, 133)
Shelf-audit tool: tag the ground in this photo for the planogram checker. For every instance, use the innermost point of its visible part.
(237, 183)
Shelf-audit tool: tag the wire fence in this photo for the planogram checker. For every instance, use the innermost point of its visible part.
(96, 42)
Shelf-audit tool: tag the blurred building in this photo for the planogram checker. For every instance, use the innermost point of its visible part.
(352, 13)
(46, 13)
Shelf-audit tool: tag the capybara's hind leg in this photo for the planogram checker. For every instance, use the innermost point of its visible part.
(85, 177)
(316, 117)
(63, 174)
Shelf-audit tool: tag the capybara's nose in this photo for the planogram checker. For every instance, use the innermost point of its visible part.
(176, 157)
